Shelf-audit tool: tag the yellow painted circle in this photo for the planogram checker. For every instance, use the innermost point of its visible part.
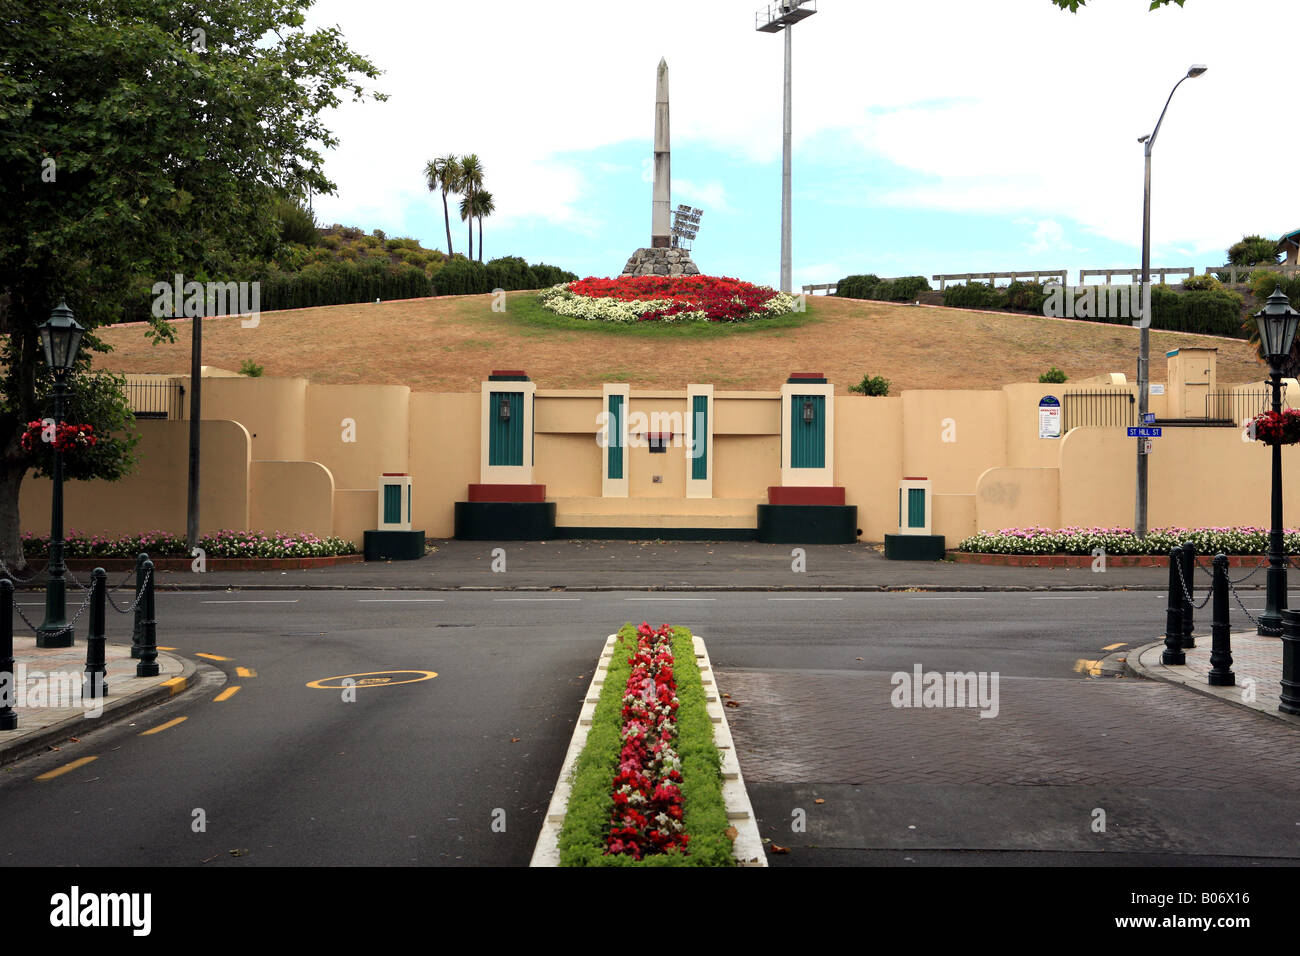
(372, 679)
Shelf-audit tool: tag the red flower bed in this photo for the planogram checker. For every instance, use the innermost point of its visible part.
(647, 816)
(720, 298)
(1277, 428)
(67, 437)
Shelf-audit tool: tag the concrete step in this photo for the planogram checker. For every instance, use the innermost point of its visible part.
(657, 520)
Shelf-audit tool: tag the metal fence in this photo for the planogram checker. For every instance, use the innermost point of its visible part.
(156, 399)
(1237, 407)
(1116, 409)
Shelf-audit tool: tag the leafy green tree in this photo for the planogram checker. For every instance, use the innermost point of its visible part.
(471, 181)
(1253, 250)
(444, 175)
(483, 206)
(139, 139)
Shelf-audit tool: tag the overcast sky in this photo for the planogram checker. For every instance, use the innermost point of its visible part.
(929, 136)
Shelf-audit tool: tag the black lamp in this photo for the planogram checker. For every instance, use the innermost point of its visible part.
(503, 412)
(808, 414)
(61, 339)
(1277, 323)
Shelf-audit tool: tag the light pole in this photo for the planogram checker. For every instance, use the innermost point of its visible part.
(1277, 326)
(783, 16)
(61, 339)
(1144, 322)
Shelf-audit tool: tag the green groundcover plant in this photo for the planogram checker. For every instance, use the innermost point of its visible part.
(591, 800)
(222, 544)
(1078, 540)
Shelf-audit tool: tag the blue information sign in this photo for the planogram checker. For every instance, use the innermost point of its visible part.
(1140, 432)
(1148, 418)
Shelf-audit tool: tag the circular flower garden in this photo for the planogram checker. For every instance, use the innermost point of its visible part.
(666, 299)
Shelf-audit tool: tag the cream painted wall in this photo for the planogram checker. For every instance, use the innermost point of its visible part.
(745, 466)
(154, 496)
(952, 516)
(444, 458)
(978, 423)
(272, 409)
(1016, 497)
(290, 496)
(383, 432)
(869, 459)
(569, 465)
(356, 509)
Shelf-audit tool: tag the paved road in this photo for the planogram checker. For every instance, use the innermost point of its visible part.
(416, 773)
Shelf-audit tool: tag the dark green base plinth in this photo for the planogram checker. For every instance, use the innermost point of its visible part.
(914, 547)
(808, 524)
(505, 520)
(393, 545)
(656, 534)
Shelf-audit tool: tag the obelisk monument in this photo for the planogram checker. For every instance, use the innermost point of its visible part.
(661, 257)
(660, 219)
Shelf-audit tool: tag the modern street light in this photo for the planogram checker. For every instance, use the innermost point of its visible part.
(1144, 323)
(61, 339)
(1277, 323)
(773, 19)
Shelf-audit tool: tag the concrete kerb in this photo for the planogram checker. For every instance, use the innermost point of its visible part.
(721, 588)
(747, 848)
(41, 740)
(1152, 669)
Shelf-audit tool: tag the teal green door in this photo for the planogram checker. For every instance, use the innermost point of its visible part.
(808, 440)
(506, 439)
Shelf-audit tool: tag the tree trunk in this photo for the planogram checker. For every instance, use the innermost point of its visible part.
(469, 221)
(446, 217)
(11, 547)
(480, 238)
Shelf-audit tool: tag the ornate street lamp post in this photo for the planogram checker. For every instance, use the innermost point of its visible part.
(61, 339)
(1277, 326)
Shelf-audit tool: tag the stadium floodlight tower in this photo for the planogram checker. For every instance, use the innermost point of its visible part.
(774, 18)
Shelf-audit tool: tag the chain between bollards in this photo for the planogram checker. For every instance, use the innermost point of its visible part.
(148, 666)
(1173, 653)
(1221, 674)
(96, 684)
(8, 716)
(137, 629)
(1189, 595)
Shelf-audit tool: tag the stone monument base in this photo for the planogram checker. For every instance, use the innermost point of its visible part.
(660, 262)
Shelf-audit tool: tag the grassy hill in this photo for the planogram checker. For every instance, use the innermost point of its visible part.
(450, 343)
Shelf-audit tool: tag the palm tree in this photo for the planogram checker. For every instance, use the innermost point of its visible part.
(482, 206)
(471, 181)
(444, 175)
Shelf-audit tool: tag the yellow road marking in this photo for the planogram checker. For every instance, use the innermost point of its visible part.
(161, 648)
(1082, 666)
(177, 684)
(226, 694)
(372, 679)
(213, 657)
(245, 672)
(1114, 647)
(60, 771)
(162, 727)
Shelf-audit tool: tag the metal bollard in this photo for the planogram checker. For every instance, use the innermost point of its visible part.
(96, 684)
(1189, 593)
(1173, 653)
(1290, 703)
(137, 627)
(1221, 674)
(8, 716)
(148, 666)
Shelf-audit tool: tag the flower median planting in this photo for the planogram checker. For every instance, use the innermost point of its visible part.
(666, 299)
(1120, 541)
(647, 788)
(222, 544)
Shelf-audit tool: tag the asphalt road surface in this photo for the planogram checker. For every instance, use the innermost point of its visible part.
(458, 768)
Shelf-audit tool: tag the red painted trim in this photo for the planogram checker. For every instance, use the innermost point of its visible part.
(507, 492)
(804, 495)
(807, 374)
(395, 474)
(507, 371)
(915, 478)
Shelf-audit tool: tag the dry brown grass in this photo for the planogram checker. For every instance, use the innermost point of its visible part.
(450, 344)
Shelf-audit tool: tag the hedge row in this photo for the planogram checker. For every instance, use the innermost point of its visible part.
(463, 277)
(1205, 312)
(870, 286)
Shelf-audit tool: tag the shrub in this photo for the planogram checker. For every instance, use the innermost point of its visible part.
(1053, 376)
(545, 276)
(297, 224)
(378, 234)
(460, 276)
(1026, 297)
(1263, 283)
(871, 385)
(1205, 283)
(857, 286)
(331, 242)
(974, 295)
(351, 232)
(250, 368)
(905, 289)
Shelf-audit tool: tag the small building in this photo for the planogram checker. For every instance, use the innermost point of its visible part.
(1289, 246)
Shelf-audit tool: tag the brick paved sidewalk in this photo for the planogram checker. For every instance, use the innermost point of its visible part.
(48, 683)
(1256, 662)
